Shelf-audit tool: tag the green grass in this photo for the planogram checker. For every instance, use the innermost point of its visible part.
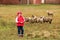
(8, 29)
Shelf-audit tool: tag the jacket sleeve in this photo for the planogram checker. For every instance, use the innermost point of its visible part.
(16, 19)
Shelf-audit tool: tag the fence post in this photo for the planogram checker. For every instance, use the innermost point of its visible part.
(28, 2)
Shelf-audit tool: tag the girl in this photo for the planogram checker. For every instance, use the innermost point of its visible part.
(20, 23)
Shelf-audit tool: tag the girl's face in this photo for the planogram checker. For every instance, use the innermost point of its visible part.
(20, 15)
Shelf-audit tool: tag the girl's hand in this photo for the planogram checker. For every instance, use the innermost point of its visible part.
(21, 22)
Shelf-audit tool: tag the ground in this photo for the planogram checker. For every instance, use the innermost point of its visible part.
(8, 29)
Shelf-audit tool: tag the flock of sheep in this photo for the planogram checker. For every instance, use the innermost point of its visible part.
(41, 19)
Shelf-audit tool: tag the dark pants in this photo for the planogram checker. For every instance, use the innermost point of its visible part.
(20, 30)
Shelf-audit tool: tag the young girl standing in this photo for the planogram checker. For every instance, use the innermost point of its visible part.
(20, 24)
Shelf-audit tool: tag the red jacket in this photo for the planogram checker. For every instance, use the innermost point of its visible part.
(20, 21)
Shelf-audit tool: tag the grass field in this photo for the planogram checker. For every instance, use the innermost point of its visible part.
(8, 29)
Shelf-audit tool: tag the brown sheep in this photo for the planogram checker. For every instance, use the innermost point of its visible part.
(50, 13)
(27, 19)
(33, 19)
(47, 19)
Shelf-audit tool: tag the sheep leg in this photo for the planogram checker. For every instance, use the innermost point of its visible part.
(50, 22)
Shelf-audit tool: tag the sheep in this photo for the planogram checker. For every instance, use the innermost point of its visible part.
(50, 13)
(27, 19)
(43, 19)
(33, 19)
(40, 19)
(47, 19)
(33, 16)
